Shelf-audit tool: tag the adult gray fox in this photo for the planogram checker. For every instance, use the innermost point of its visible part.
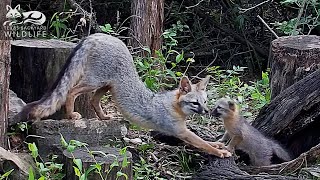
(103, 63)
(245, 137)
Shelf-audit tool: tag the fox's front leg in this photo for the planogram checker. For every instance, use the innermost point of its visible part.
(192, 139)
(235, 141)
(225, 137)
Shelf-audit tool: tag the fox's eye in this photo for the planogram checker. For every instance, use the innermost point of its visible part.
(195, 103)
(205, 102)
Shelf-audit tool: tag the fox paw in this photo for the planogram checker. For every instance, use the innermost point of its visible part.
(106, 117)
(75, 116)
(224, 154)
(230, 149)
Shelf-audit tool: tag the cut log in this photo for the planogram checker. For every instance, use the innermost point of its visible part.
(35, 67)
(291, 59)
(293, 116)
(104, 155)
(218, 168)
(309, 157)
(94, 132)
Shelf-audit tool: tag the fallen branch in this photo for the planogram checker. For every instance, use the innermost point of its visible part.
(21, 163)
(289, 167)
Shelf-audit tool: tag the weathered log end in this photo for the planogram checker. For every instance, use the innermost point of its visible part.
(35, 67)
(289, 57)
(94, 132)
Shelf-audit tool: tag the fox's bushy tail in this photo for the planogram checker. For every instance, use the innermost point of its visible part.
(57, 94)
(279, 151)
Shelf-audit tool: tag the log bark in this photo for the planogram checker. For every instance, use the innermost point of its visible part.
(218, 168)
(35, 67)
(147, 24)
(292, 117)
(5, 49)
(309, 157)
(111, 155)
(291, 59)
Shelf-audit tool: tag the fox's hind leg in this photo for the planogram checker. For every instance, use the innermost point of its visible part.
(71, 97)
(95, 102)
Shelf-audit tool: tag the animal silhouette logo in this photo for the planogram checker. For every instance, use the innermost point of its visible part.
(16, 16)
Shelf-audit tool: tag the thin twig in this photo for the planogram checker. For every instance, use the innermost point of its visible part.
(274, 33)
(215, 58)
(299, 16)
(260, 4)
(194, 5)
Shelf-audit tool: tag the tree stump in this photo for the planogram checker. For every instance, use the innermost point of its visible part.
(35, 67)
(291, 59)
(94, 132)
(293, 117)
(104, 155)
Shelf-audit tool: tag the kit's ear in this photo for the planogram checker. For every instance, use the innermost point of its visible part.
(202, 85)
(185, 85)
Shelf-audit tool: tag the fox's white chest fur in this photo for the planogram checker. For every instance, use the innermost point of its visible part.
(15, 16)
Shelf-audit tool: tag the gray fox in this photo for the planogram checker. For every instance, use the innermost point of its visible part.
(245, 137)
(102, 63)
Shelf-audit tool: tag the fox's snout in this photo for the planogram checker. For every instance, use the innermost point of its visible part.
(215, 113)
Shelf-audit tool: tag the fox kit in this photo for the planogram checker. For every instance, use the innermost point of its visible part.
(245, 137)
(102, 63)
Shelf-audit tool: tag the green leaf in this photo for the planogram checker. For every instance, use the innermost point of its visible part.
(171, 73)
(78, 162)
(147, 49)
(83, 177)
(125, 162)
(31, 174)
(119, 174)
(179, 74)
(123, 151)
(34, 150)
(179, 57)
(114, 164)
(71, 148)
(191, 60)
(76, 171)
(63, 142)
(98, 166)
(88, 171)
(6, 174)
(42, 178)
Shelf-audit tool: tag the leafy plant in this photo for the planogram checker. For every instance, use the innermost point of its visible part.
(144, 170)
(255, 94)
(306, 20)
(160, 71)
(97, 166)
(6, 175)
(46, 170)
(58, 25)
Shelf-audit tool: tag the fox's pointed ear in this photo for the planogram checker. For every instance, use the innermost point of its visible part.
(232, 105)
(8, 8)
(18, 7)
(185, 85)
(202, 85)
